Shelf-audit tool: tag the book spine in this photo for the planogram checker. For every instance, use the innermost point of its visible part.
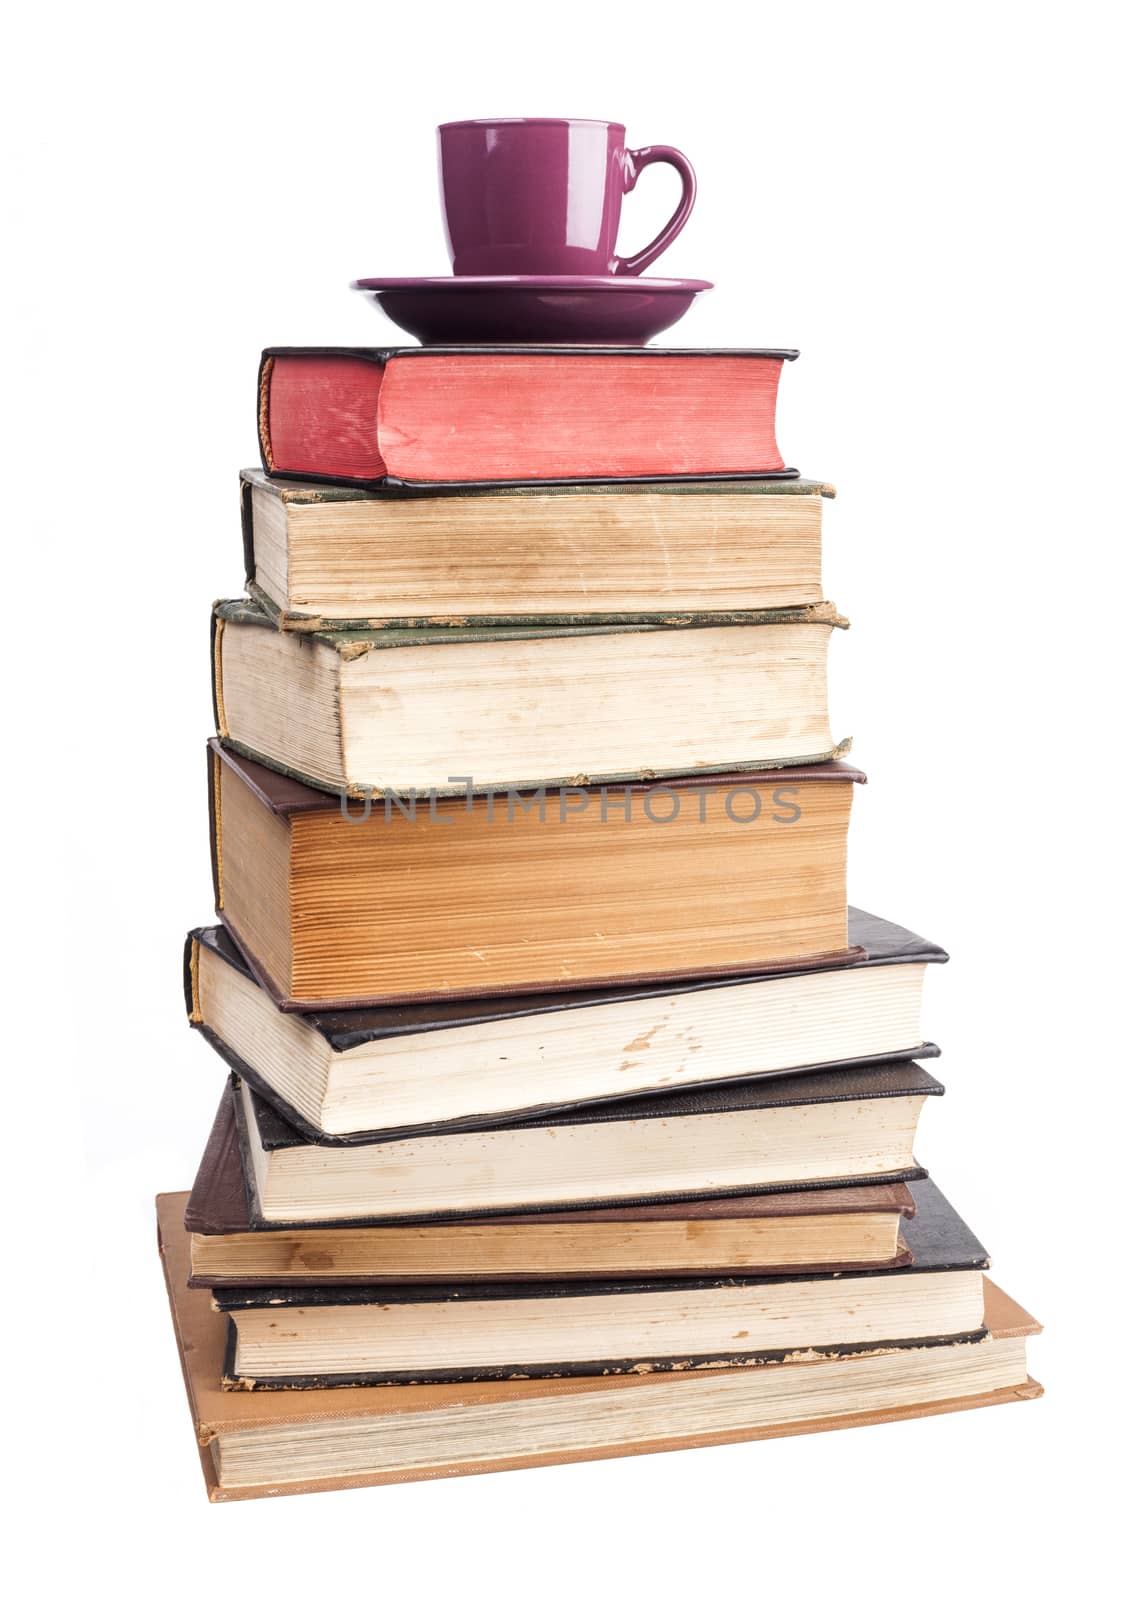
(264, 389)
(247, 531)
(216, 645)
(191, 978)
(263, 392)
(215, 834)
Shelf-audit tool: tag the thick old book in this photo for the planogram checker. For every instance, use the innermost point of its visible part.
(286, 1336)
(301, 1441)
(339, 906)
(396, 708)
(824, 1230)
(322, 556)
(413, 416)
(855, 1125)
(453, 1062)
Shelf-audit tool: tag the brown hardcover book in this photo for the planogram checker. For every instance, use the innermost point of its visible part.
(334, 557)
(336, 906)
(295, 1442)
(822, 1230)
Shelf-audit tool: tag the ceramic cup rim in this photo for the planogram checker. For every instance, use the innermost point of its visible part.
(545, 122)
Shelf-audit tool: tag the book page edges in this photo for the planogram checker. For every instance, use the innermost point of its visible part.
(201, 1336)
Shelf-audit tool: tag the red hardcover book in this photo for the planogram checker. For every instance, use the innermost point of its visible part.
(488, 417)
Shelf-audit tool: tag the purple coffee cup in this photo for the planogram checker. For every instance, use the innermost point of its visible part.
(543, 196)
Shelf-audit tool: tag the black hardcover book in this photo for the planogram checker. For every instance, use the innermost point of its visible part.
(752, 1235)
(811, 1130)
(540, 1038)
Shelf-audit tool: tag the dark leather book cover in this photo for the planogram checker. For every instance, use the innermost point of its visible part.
(884, 944)
(392, 484)
(882, 1080)
(716, 1361)
(297, 492)
(525, 1115)
(273, 1132)
(939, 1238)
(218, 1201)
(285, 795)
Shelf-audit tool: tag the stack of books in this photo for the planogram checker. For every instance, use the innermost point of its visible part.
(554, 1051)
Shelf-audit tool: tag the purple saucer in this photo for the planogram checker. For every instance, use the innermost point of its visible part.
(465, 310)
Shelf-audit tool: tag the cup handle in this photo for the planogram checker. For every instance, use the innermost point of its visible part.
(636, 162)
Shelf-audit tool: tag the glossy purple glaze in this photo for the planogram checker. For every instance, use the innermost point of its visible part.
(543, 195)
(518, 310)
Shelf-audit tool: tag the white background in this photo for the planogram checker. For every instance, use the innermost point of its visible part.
(927, 201)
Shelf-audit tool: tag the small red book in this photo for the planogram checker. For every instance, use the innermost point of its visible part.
(468, 417)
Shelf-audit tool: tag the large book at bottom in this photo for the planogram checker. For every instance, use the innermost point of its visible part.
(263, 1444)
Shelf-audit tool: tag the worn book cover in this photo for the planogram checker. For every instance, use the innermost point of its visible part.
(940, 1241)
(703, 898)
(276, 1128)
(400, 1176)
(408, 417)
(404, 1433)
(372, 709)
(884, 943)
(322, 556)
(219, 1206)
